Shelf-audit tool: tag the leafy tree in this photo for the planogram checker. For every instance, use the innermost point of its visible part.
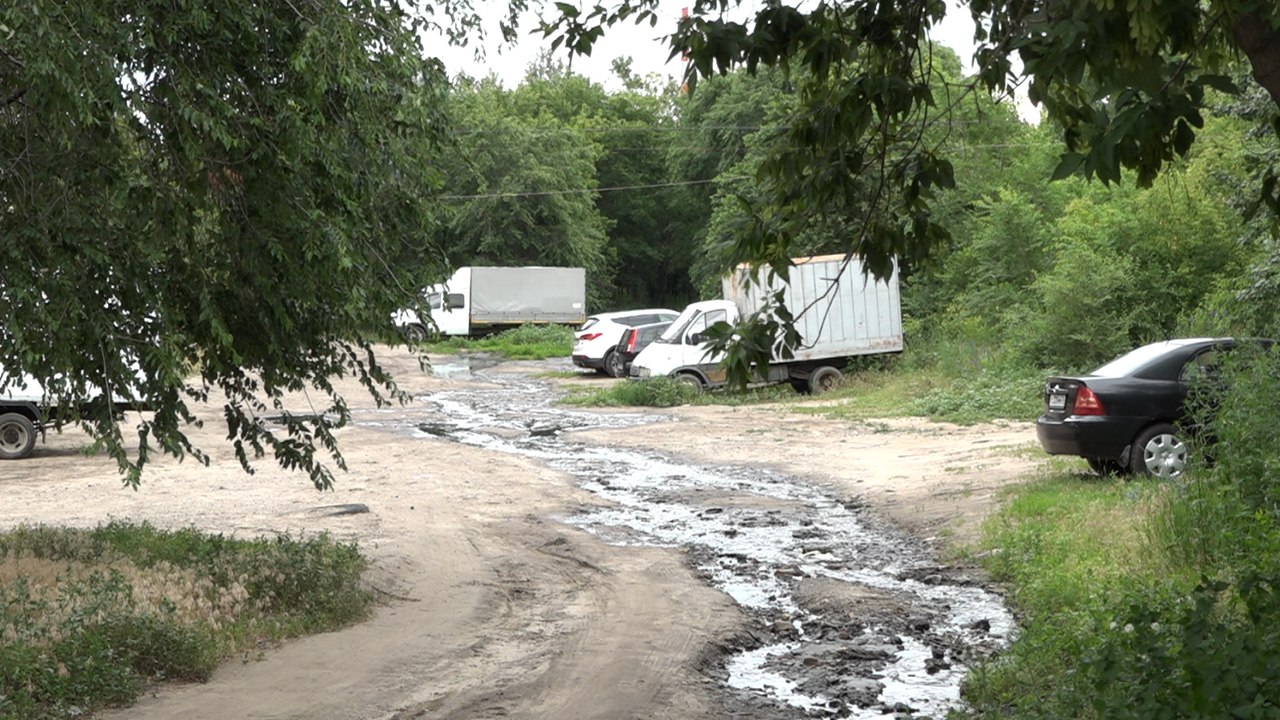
(1126, 82)
(521, 185)
(237, 189)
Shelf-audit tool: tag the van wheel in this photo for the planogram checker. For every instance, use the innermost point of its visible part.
(615, 364)
(823, 379)
(689, 379)
(17, 436)
(415, 334)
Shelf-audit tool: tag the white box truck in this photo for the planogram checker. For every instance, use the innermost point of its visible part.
(485, 300)
(839, 313)
(21, 418)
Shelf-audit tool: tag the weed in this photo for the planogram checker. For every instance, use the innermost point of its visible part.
(527, 342)
(656, 392)
(87, 617)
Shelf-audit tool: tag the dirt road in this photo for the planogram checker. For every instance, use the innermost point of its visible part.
(511, 590)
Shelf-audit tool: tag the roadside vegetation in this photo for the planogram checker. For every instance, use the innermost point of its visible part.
(1143, 599)
(527, 342)
(89, 617)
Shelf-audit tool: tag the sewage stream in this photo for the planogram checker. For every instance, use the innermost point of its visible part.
(856, 620)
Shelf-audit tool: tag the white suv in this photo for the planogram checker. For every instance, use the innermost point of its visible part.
(594, 342)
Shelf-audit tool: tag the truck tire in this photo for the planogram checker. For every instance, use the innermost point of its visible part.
(823, 379)
(17, 436)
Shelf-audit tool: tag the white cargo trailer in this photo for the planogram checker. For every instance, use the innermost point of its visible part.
(484, 300)
(840, 314)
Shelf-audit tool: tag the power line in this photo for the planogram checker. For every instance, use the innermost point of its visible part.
(580, 191)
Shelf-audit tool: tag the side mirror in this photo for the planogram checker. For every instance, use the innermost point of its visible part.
(695, 339)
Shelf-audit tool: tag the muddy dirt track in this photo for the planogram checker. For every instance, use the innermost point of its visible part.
(537, 561)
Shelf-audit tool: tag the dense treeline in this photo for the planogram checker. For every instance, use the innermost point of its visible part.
(646, 186)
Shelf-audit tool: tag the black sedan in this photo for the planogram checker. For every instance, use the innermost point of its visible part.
(1131, 414)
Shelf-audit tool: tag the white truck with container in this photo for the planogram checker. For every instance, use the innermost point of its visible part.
(840, 314)
(484, 300)
(27, 409)
(21, 418)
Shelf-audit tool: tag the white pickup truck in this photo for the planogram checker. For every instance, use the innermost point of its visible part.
(839, 313)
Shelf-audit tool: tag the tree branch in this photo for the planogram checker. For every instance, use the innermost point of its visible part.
(1261, 43)
(14, 98)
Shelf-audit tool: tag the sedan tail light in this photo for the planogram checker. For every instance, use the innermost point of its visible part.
(1087, 402)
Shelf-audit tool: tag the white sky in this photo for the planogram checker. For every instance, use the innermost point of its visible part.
(642, 43)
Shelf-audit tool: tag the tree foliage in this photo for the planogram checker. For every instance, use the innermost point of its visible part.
(237, 189)
(1127, 84)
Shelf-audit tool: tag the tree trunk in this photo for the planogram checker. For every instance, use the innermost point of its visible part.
(1261, 43)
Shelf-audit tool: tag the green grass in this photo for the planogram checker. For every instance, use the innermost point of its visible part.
(665, 392)
(869, 394)
(1072, 550)
(527, 342)
(88, 617)
(904, 391)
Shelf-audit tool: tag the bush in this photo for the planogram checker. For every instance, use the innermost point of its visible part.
(87, 617)
(1000, 391)
(654, 392)
(527, 342)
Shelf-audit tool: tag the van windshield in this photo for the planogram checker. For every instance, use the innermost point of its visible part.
(676, 331)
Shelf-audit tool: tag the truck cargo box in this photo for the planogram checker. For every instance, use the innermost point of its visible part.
(515, 295)
(839, 311)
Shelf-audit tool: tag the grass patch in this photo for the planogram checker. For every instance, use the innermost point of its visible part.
(1072, 549)
(988, 394)
(88, 617)
(527, 342)
(666, 392)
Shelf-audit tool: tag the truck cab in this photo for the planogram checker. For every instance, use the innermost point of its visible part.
(683, 351)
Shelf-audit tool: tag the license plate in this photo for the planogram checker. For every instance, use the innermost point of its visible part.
(1057, 402)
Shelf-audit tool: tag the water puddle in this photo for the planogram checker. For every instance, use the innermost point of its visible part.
(856, 620)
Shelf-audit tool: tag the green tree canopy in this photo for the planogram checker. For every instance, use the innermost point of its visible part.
(1126, 83)
(237, 189)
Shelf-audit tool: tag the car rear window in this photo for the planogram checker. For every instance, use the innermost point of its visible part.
(1134, 360)
(590, 321)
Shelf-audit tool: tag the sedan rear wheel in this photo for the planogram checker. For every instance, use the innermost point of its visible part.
(1159, 452)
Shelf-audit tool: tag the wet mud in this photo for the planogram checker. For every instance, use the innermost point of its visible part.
(852, 617)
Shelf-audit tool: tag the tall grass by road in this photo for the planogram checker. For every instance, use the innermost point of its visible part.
(527, 342)
(1143, 599)
(89, 617)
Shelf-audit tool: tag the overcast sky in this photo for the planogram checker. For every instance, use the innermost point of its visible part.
(642, 43)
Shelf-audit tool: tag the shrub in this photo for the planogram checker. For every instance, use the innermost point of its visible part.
(87, 617)
(654, 392)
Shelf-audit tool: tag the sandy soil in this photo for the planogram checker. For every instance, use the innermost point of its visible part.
(493, 608)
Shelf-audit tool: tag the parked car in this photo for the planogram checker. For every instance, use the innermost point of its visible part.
(594, 343)
(1131, 414)
(633, 341)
